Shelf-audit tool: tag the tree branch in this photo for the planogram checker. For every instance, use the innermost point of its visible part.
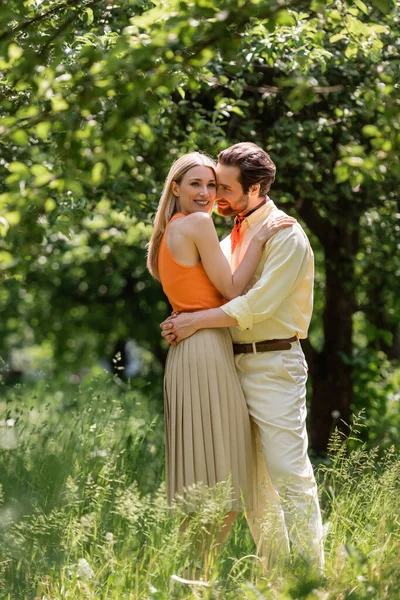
(60, 30)
(27, 24)
(240, 19)
(270, 89)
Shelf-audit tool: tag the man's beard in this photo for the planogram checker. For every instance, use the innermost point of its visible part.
(240, 207)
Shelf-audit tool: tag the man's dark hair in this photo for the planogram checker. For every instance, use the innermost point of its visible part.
(254, 163)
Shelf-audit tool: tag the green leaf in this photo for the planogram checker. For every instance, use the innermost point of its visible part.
(5, 257)
(43, 129)
(115, 163)
(361, 6)
(42, 175)
(98, 173)
(371, 131)
(284, 18)
(238, 111)
(382, 5)
(354, 161)
(146, 132)
(336, 37)
(90, 16)
(74, 186)
(13, 218)
(20, 137)
(351, 51)
(59, 104)
(50, 205)
(342, 173)
(378, 28)
(18, 167)
(14, 51)
(27, 111)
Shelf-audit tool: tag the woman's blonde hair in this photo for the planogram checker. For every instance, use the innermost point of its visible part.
(169, 203)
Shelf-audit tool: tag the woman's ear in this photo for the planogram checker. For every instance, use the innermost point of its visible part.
(175, 189)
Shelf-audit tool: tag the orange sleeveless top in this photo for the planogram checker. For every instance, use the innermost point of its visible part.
(187, 288)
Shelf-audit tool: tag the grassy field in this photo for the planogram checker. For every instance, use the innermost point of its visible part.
(83, 511)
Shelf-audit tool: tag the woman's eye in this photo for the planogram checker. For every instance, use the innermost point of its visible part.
(195, 183)
(213, 185)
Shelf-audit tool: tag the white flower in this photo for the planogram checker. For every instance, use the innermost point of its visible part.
(84, 570)
(10, 422)
(109, 537)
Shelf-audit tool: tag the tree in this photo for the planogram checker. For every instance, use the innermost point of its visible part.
(98, 101)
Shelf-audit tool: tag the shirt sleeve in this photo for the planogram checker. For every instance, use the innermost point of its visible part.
(288, 254)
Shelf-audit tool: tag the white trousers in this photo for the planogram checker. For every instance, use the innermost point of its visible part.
(274, 384)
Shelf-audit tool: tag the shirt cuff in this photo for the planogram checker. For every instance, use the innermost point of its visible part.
(239, 309)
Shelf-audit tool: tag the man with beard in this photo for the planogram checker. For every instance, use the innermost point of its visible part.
(266, 325)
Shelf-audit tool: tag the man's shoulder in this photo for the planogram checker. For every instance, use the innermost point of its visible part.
(288, 232)
(294, 234)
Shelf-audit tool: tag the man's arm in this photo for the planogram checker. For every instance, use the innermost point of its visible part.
(288, 258)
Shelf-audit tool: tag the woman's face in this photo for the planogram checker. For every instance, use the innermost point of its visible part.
(197, 190)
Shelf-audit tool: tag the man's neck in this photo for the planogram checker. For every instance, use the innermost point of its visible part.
(253, 206)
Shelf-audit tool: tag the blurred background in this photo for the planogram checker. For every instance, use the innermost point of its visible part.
(99, 98)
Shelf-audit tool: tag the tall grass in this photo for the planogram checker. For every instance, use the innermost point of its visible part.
(83, 511)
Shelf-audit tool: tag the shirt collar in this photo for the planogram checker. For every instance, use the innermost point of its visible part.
(260, 214)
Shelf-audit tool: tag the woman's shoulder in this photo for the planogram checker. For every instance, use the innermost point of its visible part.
(198, 217)
(194, 220)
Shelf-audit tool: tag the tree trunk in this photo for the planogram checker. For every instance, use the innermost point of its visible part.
(331, 368)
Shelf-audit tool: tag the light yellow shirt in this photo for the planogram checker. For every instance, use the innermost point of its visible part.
(279, 300)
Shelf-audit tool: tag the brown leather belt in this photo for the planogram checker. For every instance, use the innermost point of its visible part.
(264, 346)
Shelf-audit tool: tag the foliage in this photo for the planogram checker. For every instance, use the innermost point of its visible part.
(99, 98)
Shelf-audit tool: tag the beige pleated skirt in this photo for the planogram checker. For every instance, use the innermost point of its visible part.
(207, 425)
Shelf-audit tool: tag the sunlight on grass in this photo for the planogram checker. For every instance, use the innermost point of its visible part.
(83, 511)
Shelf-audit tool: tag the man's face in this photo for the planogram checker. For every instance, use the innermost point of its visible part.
(230, 197)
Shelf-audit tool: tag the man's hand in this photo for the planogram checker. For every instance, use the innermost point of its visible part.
(178, 327)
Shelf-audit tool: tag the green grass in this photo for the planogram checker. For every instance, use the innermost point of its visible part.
(83, 511)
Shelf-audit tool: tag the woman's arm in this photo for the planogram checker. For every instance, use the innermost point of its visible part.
(183, 325)
(200, 228)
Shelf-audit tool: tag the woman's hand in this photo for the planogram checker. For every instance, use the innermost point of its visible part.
(178, 327)
(272, 226)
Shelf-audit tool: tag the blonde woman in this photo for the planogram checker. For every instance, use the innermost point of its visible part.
(207, 426)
